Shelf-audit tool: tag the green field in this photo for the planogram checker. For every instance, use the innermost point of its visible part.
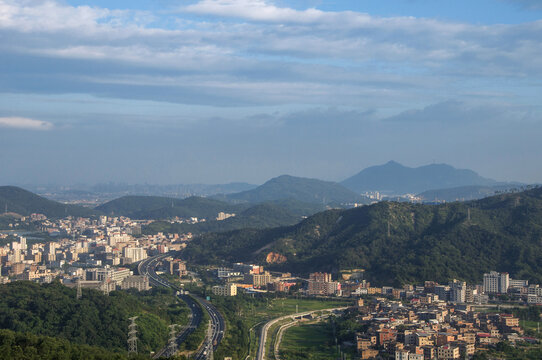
(281, 307)
(244, 312)
(310, 341)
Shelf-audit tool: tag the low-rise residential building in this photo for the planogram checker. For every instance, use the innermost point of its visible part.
(141, 283)
(225, 290)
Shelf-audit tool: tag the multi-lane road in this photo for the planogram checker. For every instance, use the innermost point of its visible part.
(218, 327)
(195, 303)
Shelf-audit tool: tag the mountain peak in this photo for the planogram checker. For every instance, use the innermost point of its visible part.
(393, 163)
(395, 178)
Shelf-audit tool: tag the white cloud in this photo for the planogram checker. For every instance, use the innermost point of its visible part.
(455, 111)
(257, 10)
(267, 55)
(24, 123)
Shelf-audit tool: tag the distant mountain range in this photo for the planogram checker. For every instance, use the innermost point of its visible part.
(399, 242)
(431, 182)
(105, 192)
(395, 178)
(300, 189)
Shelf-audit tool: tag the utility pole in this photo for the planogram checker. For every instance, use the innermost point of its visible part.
(468, 215)
(172, 343)
(132, 336)
(79, 290)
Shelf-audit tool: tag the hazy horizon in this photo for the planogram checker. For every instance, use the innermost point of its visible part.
(220, 91)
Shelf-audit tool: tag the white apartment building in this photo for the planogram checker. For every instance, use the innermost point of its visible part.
(225, 290)
(496, 283)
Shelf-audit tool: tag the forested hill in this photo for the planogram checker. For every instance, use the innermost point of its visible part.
(260, 216)
(464, 193)
(425, 242)
(301, 189)
(23, 202)
(95, 319)
(156, 207)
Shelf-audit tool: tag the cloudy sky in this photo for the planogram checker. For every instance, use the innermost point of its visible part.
(214, 91)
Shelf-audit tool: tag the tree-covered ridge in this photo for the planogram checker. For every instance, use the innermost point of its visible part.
(25, 203)
(156, 207)
(425, 242)
(464, 193)
(25, 346)
(95, 319)
(261, 216)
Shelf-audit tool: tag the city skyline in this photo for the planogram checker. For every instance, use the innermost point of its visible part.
(217, 91)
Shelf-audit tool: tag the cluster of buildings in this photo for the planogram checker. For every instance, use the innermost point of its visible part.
(435, 330)
(251, 278)
(223, 216)
(501, 283)
(86, 252)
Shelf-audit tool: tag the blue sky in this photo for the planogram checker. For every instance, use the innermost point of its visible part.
(216, 91)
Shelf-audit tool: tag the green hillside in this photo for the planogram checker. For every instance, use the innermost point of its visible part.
(96, 320)
(155, 207)
(260, 216)
(25, 203)
(25, 346)
(425, 242)
(301, 189)
(463, 193)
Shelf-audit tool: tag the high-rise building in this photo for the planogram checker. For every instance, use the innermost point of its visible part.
(134, 254)
(458, 291)
(321, 284)
(496, 283)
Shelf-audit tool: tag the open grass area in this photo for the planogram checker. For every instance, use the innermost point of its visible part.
(244, 311)
(531, 325)
(308, 341)
(272, 337)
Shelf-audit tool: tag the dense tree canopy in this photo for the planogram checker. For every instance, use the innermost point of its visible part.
(96, 319)
(400, 242)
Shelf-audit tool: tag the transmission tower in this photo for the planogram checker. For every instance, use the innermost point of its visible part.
(105, 288)
(79, 290)
(132, 336)
(172, 344)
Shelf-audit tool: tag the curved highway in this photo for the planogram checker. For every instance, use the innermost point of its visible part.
(147, 267)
